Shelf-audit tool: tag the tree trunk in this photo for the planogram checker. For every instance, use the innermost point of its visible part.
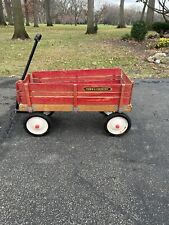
(8, 8)
(35, 13)
(143, 11)
(150, 13)
(75, 21)
(75, 16)
(26, 12)
(121, 15)
(48, 9)
(91, 29)
(19, 29)
(2, 19)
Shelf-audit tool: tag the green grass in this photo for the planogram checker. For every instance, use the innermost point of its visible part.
(67, 47)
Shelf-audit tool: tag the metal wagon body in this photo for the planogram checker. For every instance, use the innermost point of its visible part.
(102, 90)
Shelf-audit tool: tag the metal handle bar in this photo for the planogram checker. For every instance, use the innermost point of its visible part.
(36, 39)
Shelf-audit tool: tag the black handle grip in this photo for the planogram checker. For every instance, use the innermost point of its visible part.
(38, 37)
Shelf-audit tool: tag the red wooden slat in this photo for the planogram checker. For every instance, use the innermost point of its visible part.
(51, 87)
(79, 94)
(69, 99)
(97, 101)
(51, 100)
(113, 71)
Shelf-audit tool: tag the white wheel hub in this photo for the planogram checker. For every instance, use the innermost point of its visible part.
(37, 125)
(117, 125)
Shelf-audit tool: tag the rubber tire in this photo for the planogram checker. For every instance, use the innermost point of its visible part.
(37, 115)
(117, 115)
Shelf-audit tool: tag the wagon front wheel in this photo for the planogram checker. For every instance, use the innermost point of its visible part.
(117, 124)
(37, 124)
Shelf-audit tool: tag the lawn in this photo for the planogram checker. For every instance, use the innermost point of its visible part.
(67, 47)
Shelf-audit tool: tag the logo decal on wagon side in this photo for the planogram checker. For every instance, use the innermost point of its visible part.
(97, 88)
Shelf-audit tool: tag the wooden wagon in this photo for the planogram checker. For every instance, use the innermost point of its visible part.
(99, 90)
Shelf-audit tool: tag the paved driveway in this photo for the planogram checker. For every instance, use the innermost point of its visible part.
(79, 175)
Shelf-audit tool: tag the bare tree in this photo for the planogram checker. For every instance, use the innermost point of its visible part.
(26, 12)
(61, 9)
(48, 12)
(2, 19)
(108, 14)
(35, 13)
(163, 8)
(150, 13)
(91, 28)
(143, 11)
(69, 11)
(121, 15)
(19, 29)
(77, 7)
(8, 7)
(41, 11)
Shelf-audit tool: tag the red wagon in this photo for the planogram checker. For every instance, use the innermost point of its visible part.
(102, 90)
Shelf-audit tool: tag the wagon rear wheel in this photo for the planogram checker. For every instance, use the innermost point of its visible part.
(117, 124)
(37, 124)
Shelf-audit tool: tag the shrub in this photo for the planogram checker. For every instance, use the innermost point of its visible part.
(161, 28)
(139, 31)
(126, 37)
(163, 42)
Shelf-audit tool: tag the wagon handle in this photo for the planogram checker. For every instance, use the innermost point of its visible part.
(36, 39)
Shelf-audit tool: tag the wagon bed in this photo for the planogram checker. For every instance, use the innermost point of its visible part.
(75, 90)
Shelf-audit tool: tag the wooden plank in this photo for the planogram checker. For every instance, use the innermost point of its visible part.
(70, 94)
(46, 108)
(28, 100)
(52, 100)
(121, 96)
(97, 108)
(88, 72)
(80, 100)
(104, 108)
(126, 108)
(68, 108)
(93, 80)
(96, 101)
(51, 87)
